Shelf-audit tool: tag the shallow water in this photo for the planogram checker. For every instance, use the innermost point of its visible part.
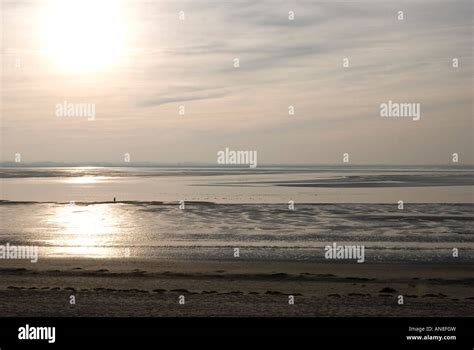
(421, 232)
(218, 185)
(239, 208)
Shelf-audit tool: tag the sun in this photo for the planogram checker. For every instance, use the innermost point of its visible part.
(84, 35)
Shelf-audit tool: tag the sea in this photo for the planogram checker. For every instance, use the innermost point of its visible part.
(275, 213)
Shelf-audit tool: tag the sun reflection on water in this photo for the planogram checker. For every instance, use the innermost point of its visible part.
(85, 179)
(86, 230)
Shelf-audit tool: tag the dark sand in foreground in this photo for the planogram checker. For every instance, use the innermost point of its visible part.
(241, 288)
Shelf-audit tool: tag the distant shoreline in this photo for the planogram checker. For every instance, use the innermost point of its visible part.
(9, 164)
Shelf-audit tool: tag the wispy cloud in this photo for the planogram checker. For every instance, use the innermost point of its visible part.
(169, 62)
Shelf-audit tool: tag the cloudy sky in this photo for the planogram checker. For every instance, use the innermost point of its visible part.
(137, 62)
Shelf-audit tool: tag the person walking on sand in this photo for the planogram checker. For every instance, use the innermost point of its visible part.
(114, 199)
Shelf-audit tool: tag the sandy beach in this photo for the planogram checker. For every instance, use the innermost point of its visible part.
(211, 288)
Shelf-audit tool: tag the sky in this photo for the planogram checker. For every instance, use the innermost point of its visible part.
(141, 63)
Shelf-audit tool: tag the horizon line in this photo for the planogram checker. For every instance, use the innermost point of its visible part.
(203, 164)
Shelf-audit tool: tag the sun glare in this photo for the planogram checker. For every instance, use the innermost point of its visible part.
(85, 180)
(85, 230)
(84, 35)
